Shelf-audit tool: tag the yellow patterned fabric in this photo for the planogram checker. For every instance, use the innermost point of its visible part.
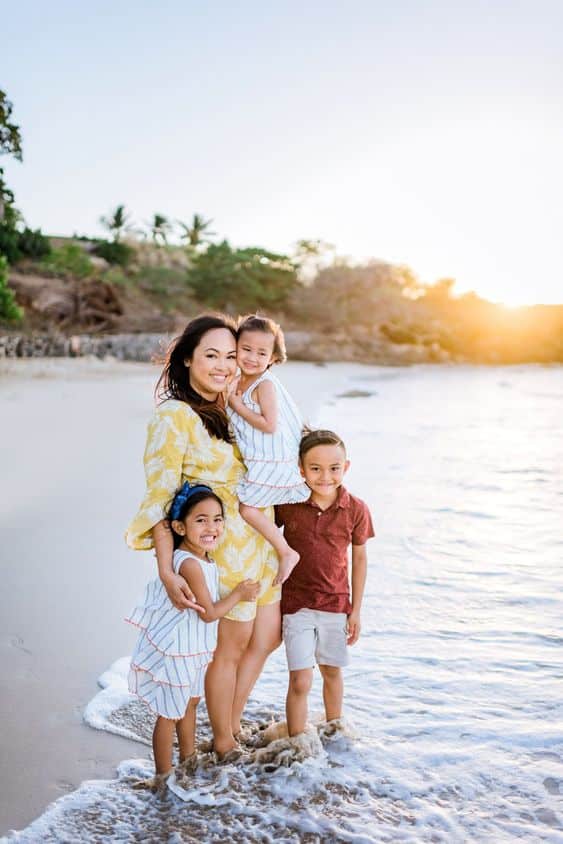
(180, 449)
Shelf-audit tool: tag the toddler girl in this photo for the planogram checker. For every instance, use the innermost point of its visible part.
(267, 427)
(175, 646)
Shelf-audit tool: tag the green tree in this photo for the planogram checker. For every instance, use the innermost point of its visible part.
(10, 137)
(160, 229)
(197, 232)
(10, 144)
(9, 311)
(117, 222)
(242, 279)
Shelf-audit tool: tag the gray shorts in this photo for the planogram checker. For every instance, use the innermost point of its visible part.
(315, 637)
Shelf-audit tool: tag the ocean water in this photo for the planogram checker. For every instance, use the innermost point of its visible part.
(454, 695)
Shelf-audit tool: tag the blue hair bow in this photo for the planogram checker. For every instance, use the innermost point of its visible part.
(184, 494)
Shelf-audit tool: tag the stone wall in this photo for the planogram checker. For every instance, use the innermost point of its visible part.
(301, 345)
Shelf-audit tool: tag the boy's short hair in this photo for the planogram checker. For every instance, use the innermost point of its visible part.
(311, 439)
(256, 322)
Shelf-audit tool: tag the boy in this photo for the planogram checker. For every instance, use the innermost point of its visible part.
(319, 620)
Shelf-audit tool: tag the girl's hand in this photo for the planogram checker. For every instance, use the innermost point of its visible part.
(248, 590)
(232, 386)
(235, 401)
(180, 594)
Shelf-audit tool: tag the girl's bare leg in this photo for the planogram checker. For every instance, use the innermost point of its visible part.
(259, 521)
(266, 637)
(185, 729)
(162, 738)
(220, 680)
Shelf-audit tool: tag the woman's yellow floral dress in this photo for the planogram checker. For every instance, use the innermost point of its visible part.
(180, 449)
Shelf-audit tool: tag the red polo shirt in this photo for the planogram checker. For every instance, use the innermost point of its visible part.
(319, 581)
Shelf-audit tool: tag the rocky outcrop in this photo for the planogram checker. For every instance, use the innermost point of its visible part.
(359, 347)
(91, 303)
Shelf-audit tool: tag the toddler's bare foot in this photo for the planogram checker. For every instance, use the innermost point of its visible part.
(288, 561)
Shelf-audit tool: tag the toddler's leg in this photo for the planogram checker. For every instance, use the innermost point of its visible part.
(185, 729)
(260, 522)
(300, 683)
(333, 691)
(162, 739)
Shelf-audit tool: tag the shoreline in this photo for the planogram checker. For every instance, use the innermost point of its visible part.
(69, 578)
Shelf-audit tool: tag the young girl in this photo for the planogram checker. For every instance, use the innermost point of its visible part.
(175, 646)
(267, 427)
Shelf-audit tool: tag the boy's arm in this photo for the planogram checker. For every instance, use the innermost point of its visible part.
(359, 571)
(267, 419)
(246, 590)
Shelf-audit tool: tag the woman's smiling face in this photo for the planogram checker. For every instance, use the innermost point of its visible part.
(213, 363)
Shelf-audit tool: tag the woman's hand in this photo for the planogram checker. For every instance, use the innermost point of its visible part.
(180, 594)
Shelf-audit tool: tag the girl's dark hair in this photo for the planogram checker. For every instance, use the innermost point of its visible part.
(254, 322)
(187, 507)
(174, 382)
(311, 439)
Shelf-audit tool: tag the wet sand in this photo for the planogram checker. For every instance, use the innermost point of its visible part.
(72, 437)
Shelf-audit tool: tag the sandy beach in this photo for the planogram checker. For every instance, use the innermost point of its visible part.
(72, 440)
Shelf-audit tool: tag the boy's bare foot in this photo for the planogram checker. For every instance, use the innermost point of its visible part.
(288, 561)
(187, 765)
(156, 784)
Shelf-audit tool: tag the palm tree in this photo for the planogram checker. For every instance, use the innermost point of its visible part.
(160, 229)
(196, 232)
(117, 223)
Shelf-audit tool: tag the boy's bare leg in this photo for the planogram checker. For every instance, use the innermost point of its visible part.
(266, 637)
(185, 729)
(300, 683)
(333, 691)
(287, 556)
(162, 737)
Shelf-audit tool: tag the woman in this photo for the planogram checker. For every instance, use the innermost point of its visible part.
(188, 439)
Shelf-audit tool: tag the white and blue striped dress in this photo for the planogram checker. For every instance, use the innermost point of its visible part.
(271, 460)
(174, 647)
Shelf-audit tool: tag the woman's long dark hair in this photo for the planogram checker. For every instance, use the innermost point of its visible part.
(174, 382)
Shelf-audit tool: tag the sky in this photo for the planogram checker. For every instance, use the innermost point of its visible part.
(423, 133)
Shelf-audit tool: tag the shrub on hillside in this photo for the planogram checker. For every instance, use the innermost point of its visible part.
(34, 244)
(114, 252)
(69, 260)
(241, 278)
(15, 244)
(9, 243)
(364, 295)
(9, 311)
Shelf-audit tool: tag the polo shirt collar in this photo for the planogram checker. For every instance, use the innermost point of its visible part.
(342, 500)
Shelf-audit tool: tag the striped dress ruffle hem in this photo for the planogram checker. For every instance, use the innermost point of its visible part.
(174, 646)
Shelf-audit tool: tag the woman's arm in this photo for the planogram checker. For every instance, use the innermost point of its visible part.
(176, 586)
(267, 419)
(246, 590)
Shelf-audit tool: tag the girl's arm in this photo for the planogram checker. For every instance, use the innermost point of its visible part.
(359, 571)
(246, 590)
(177, 588)
(267, 419)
